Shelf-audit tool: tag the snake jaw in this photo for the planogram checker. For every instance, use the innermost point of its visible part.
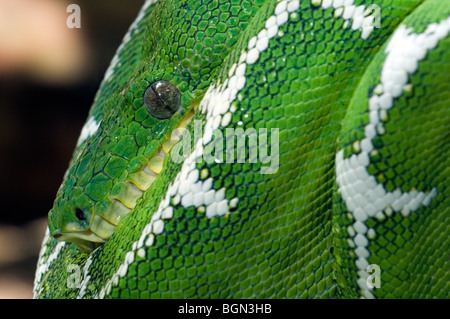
(88, 240)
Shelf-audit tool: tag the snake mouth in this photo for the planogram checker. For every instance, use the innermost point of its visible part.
(87, 240)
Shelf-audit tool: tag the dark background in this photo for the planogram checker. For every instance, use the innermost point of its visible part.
(39, 126)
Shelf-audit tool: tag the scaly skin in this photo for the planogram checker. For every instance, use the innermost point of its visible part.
(363, 176)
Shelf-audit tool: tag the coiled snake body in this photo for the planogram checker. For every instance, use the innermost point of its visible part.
(350, 123)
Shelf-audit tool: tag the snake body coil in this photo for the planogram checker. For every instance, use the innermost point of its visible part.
(344, 128)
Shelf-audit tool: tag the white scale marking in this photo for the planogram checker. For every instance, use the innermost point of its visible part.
(88, 130)
(362, 194)
(359, 17)
(86, 277)
(43, 266)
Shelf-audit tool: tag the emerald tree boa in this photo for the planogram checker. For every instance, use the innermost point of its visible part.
(262, 149)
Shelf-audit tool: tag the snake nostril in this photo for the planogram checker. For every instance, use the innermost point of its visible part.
(57, 234)
(80, 214)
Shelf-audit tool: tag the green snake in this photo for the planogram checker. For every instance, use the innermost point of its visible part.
(339, 160)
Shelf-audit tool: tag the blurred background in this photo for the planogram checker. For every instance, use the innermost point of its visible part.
(49, 75)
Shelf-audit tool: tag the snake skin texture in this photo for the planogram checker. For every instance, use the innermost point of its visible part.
(356, 119)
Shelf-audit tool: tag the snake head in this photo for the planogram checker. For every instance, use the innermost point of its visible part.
(114, 166)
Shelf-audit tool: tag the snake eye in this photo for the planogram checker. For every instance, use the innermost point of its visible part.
(80, 214)
(162, 99)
